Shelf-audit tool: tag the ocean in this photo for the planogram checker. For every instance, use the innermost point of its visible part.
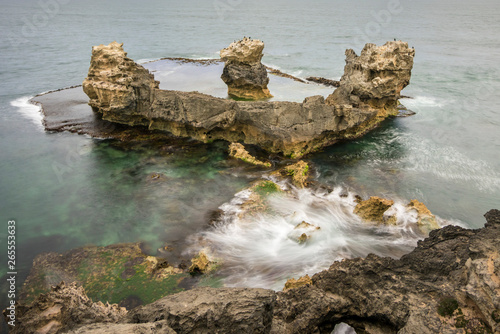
(66, 190)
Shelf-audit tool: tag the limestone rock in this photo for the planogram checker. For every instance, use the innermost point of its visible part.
(454, 269)
(299, 172)
(63, 308)
(116, 84)
(200, 264)
(426, 220)
(244, 74)
(383, 295)
(124, 92)
(149, 328)
(376, 77)
(236, 150)
(293, 283)
(210, 310)
(372, 210)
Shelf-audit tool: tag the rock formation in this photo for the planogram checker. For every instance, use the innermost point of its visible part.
(115, 83)
(237, 151)
(373, 210)
(244, 74)
(450, 283)
(376, 77)
(63, 308)
(124, 92)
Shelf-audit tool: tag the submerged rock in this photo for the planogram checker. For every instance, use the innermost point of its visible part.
(236, 150)
(303, 232)
(119, 273)
(124, 92)
(448, 284)
(244, 74)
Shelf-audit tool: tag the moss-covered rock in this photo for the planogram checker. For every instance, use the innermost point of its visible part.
(120, 274)
(299, 172)
(373, 209)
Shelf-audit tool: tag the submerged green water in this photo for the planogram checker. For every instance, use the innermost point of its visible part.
(446, 156)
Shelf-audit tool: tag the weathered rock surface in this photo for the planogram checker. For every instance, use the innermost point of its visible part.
(383, 295)
(124, 92)
(293, 283)
(238, 151)
(426, 220)
(244, 74)
(210, 310)
(373, 209)
(450, 283)
(63, 308)
(116, 82)
(376, 77)
(299, 172)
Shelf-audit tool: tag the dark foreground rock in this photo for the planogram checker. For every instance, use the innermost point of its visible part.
(126, 93)
(450, 283)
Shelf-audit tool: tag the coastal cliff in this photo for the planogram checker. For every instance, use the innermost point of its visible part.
(124, 92)
(449, 283)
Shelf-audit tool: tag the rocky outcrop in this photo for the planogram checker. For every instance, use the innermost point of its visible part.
(376, 77)
(293, 283)
(115, 83)
(201, 264)
(450, 283)
(299, 173)
(209, 310)
(373, 209)
(244, 74)
(124, 92)
(426, 220)
(237, 151)
(63, 308)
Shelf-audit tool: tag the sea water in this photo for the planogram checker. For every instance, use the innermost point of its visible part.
(446, 156)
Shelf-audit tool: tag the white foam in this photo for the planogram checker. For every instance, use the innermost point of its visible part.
(260, 251)
(424, 101)
(28, 110)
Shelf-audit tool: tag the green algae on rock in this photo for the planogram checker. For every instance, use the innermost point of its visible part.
(120, 274)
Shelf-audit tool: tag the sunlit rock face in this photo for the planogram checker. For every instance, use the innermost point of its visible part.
(244, 74)
(125, 92)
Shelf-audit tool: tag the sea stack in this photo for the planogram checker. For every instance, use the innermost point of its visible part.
(375, 78)
(244, 74)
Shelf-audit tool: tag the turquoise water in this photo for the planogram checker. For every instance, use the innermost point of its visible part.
(447, 155)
